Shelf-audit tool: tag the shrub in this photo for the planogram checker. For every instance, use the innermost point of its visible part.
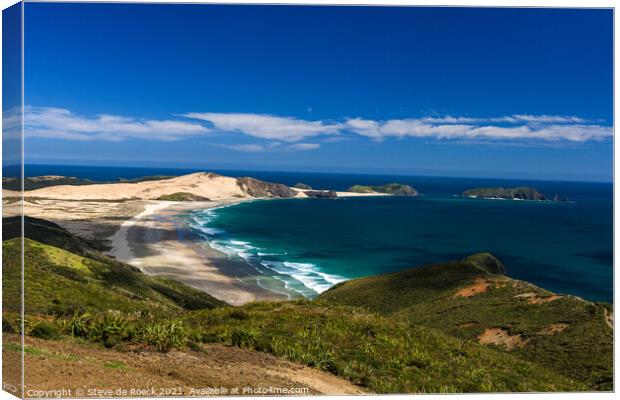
(109, 328)
(45, 330)
(244, 337)
(324, 360)
(163, 335)
(78, 325)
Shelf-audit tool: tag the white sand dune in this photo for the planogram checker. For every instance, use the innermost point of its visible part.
(211, 186)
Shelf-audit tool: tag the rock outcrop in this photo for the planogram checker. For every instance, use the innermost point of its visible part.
(257, 188)
(321, 194)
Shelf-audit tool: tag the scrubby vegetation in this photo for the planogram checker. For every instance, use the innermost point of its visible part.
(182, 196)
(39, 182)
(412, 331)
(426, 297)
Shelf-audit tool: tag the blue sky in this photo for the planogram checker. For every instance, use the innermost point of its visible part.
(516, 93)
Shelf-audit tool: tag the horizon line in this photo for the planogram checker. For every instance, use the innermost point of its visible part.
(251, 169)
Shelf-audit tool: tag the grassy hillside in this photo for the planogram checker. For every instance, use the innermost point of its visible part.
(46, 232)
(465, 299)
(60, 282)
(412, 331)
(376, 352)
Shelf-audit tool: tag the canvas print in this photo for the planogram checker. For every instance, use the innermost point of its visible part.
(214, 200)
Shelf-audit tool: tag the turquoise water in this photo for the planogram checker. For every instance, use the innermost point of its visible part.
(311, 244)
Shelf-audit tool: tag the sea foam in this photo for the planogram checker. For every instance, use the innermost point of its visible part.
(304, 278)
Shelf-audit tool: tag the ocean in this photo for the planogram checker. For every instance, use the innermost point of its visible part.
(312, 244)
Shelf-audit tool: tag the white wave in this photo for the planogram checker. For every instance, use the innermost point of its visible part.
(306, 273)
(302, 277)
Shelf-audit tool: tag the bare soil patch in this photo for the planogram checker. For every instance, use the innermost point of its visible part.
(501, 337)
(480, 286)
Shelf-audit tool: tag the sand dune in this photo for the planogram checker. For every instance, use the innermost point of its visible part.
(211, 186)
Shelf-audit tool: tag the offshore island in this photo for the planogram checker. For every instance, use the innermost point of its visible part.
(517, 193)
(113, 277)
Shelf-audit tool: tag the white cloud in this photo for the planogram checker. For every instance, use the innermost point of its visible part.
(59, 123)
(304, 146)
(248, 148)
(287, 129)
(510, 119)
(539, 130)
(277, 133)
(545, 119)
(274, 146)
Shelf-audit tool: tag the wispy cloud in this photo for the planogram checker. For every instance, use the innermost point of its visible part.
(248, 148)
(304, 146)
(263, 126)
(274, 146)
(278, 133)
(515, 118)
(60, 123)
(531, 128)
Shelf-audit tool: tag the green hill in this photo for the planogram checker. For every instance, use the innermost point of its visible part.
(468, 298)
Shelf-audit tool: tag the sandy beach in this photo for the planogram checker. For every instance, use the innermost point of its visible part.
(159, 243)
(135, 226)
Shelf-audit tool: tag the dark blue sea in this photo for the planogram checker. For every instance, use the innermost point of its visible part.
(311, 244)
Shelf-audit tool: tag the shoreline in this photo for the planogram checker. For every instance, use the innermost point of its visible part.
(158, 243)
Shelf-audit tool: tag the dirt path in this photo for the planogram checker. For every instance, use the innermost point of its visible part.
(85, 370)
